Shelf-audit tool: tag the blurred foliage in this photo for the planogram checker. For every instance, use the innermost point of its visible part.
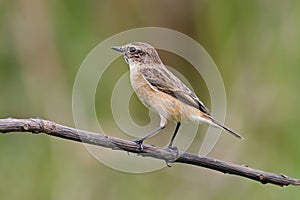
(255, 44)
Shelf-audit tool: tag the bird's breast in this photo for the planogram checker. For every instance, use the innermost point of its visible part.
(142, 88)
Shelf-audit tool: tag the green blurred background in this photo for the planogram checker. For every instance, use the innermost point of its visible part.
(255, 44)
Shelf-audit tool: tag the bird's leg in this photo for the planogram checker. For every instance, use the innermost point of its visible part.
(140, 141)
(173, 137)
(173, 149)
(163, 123)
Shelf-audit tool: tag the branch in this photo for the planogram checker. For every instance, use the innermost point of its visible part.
(50, 128)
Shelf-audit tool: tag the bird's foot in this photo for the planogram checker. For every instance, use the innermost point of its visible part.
(174, 155)
(173, 149)
(139, 142)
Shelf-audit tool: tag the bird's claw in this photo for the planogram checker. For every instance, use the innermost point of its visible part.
(139, 142)
(175, 155)
(168, 164)
(174, 149)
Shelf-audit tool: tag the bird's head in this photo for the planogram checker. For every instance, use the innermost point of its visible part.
(138, 53)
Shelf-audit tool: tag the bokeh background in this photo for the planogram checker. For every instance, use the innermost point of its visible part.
(255, 44)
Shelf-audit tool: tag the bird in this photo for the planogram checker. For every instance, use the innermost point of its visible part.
(161, 91)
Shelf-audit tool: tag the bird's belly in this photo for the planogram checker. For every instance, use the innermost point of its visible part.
(160, 102)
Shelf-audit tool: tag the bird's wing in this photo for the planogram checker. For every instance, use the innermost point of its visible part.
(163, 80)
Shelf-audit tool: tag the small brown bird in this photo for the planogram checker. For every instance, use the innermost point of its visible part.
(160, 90)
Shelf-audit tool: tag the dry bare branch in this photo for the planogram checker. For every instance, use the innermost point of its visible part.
(38, 125)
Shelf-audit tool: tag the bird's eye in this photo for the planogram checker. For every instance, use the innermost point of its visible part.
(132, 49)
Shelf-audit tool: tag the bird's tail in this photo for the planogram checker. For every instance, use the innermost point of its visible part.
(217, 124)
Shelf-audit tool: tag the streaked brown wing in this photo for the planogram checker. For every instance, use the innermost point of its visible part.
(163, 80)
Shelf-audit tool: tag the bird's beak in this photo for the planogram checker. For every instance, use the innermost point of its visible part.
(118, 48)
